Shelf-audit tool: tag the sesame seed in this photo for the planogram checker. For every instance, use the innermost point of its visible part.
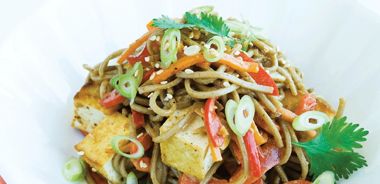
(237, 53)
(147, 59)
(139, 135)
(152, 38)
(170, 96)
(157, 65)
(158, 38)
(226, 84)
(81, 153)
(189, 71)
(142, 164)
(163, 82)
(192, 50)
(159, 72)
(150, 95)
(191, 35)
(152, 76)
(147, 69)
(93, 169)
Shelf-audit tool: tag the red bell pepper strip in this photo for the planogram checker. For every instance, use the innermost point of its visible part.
(185, 179)
(213, 123)
(253, 156)
(261, 77)
(144, 139)
(138, 119)
(111, 99)
(132, 59)
(308, 103)
(147, 75)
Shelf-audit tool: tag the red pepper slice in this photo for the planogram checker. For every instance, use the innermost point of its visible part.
(261, 77)
(253, 155)
(144, 139)
(2, 181)
(132, 59)
(147, 75)
(138, 119)
(111, 99)
(213, 123)
(308, 103)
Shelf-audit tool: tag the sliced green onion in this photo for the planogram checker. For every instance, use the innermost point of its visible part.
(169, 47)
(326, 177)
(211, 54)
(73, 170)
(202, 9)
(128, 83)
(132, 178)
(230, 110)
(244, 114)
(303, 121)
(115, 146)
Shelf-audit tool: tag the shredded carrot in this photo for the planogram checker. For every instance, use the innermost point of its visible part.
(132, 48)
(259, 139)
(287, 115)
(204, 65)
(150, 26)
(177, 66)
(238, 64)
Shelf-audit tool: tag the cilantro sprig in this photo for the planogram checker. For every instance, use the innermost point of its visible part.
(333, 149)
(208, 22)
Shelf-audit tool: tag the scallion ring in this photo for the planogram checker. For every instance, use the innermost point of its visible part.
(73, 170)
(245, 111)
(230, 111)
(132, 178)
(310, 120)
(137, 72)
(169, 47)
(127, 86)
(115, 146)
(211, 54)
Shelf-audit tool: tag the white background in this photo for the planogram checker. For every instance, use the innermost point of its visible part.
(43, 45)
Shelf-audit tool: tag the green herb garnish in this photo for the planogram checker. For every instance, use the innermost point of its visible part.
(210, 23)
(333, 149)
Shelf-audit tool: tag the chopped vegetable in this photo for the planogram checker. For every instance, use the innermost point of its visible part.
(335, 145)
(208, 22)
(230, 110)
(244, 114)
(140, 57)
(253, 156)
(144, 139)
(211, 54)
(258, 137)
(308, 103)
(169, 47)
(132, 48)
(212, 123)
(326, 177)
(73, 170)
(142, 164)
(150, 26)
(132, 178)
(147, 75)
(178, 66)
(2, 181)
(115, 146)
(303, 121)
(238, 64)
(138, 119)
(128, 83)
(261, 76)
(111, 99)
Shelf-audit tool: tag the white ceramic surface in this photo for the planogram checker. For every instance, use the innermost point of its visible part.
(335, 43)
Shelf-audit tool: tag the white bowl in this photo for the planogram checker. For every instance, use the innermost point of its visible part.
(336, 44)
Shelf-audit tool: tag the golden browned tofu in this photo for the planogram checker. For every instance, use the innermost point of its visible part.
(188, 150)
(291, 102)
(96, 146)
(87, 109)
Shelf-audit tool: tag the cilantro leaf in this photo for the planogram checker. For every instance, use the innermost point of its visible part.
(165, 22)
(333, 149)
(208, 22)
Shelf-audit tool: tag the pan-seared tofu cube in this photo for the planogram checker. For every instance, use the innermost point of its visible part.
(188, 150)
(88, 111)
(96, 146)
